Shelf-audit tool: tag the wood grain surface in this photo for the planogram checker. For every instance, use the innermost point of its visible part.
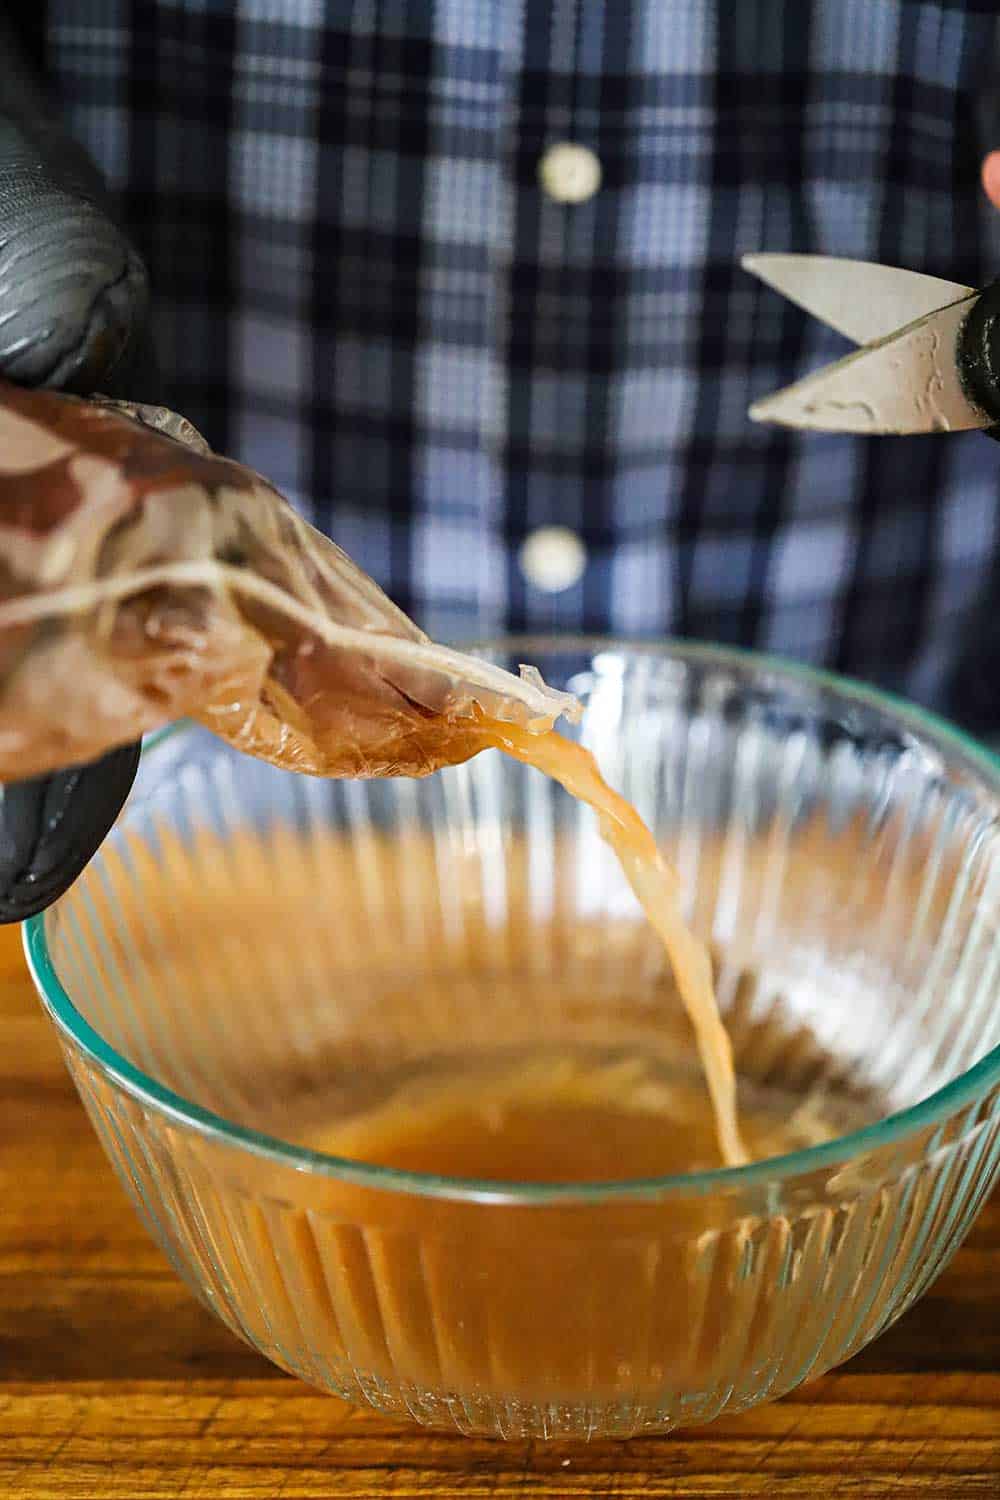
(115, 1383)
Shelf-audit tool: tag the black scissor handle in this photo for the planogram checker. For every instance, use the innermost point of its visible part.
(978, 355)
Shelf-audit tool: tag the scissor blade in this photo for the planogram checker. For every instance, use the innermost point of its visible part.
(860, 299)
(905, 383)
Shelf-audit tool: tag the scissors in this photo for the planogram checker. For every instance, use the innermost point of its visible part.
(930, 349)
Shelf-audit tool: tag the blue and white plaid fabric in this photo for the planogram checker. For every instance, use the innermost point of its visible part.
(364, 292)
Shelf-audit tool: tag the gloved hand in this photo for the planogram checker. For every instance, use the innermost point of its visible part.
(73, 305)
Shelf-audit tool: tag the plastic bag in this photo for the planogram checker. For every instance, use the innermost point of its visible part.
(142, 579)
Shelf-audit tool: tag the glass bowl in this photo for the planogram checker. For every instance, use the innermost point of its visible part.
(253, 953)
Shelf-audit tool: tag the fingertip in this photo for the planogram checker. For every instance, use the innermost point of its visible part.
(990, 177)
(51, 826)
(73, 292)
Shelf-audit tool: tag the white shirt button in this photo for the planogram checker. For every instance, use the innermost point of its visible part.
(569, 173)
(553, 559)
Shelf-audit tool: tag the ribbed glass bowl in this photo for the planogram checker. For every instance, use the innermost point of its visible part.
(251, 946)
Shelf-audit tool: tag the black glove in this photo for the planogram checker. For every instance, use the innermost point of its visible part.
(73, 304)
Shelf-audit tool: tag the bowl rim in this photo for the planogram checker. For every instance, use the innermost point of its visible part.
(970, 1085)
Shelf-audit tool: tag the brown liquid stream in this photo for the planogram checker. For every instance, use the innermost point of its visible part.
(655, 887)
(417, 742)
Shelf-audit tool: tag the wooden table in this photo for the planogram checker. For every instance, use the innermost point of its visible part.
(115, 1383)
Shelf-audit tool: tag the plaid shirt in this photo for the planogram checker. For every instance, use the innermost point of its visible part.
(364, 291)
